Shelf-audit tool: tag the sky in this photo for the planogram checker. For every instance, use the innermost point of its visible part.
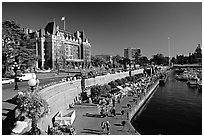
(112, 26)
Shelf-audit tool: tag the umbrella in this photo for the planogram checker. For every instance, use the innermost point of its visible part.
(120, 87)
(127, 89)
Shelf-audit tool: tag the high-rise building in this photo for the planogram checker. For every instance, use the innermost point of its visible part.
(61, 49)
(130, 53)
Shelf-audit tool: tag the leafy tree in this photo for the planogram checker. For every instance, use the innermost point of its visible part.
(16, 46)
(129, 78)
(124, 80)
(119, 82)
(105, 89)
(173, 60)
(159, 59)
(143, 60)
(95, 92)
(84, 96)
(113, 84)
(97, 61)
(116, 61)
(33, 106)
(125, 61)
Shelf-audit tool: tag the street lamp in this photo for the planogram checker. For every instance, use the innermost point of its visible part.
(15, 68)
(32, 83)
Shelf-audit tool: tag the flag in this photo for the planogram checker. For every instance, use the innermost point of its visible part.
(63, 18)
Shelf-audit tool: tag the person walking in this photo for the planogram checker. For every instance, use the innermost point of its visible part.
(122, 113)
(103, 126)
(108, 127)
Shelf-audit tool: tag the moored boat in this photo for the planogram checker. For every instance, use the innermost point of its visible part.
(192, 82)
(181, 77)
(200, 86)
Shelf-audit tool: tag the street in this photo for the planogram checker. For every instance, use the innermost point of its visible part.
(8, 91)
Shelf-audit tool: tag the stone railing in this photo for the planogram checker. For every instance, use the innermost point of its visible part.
(59, 96)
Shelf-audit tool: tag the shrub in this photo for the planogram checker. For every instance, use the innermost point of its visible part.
(119, 82)
(123, 81)
(105, 89)
(33, 106)
(113, 84)
(95, 92)
(84, 96)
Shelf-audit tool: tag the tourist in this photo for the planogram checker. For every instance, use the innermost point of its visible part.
(127, 115)
(123, 124)
(103, 126)
(113, 111)
(122, 112)
(113, 100)
(108, 127)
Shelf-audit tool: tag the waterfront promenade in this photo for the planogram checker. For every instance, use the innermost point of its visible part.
(88, 120)
(91, 123)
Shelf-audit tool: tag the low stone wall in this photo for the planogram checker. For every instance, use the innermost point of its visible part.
(59, 96)
(108, 78)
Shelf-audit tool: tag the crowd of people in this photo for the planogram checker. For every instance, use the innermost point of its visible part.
(107, 106)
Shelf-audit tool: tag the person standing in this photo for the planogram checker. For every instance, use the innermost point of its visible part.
(113, 111)
(127, 115)
(122, 113)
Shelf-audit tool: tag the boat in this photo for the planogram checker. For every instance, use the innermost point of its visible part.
(199, 86)
(192, 82)
(181, 77)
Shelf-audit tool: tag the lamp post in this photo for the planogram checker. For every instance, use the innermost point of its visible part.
(32, 83)
(34, 130)
(15, 68)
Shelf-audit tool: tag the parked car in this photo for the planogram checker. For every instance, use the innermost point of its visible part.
(7, 81)
(26, 76)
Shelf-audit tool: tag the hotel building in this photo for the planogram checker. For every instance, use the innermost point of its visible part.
(61, 49)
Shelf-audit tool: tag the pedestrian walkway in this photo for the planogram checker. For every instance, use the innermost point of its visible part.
(88, 121)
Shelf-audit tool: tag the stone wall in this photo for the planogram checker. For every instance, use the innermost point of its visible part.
(59, 96)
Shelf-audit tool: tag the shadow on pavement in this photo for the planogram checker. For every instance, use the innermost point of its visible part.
(8, 122)
(11, 101)
(92, 131)
(93, 115)
(118, 124)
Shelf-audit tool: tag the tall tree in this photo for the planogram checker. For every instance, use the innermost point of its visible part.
(159, 59)
(97, 61)
(125, 61)
(143, 60)
(16, 46)
(116, 61)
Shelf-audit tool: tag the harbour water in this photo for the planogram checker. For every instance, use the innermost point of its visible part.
(174, 109)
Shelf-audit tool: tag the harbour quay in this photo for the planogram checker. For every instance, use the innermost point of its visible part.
(88, 116)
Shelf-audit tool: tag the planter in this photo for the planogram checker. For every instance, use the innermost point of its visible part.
(65, 119)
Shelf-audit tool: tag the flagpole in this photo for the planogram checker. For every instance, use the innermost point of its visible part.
(64, 23)
(169, 49)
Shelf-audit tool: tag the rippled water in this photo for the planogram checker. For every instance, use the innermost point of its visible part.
(173, 110)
